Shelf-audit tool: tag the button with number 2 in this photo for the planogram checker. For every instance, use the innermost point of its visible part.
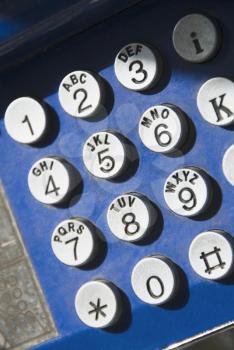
(138, 66)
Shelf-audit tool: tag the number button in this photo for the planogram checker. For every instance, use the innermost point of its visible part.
(163, 128)
(80, 94)
(98, 304)
(155, 279)
(105, 154)
(215, 101)
(138, 66)
(131, 216)
(51, 180)
(187, 191)
(73, 241)
(211, 254)
(196, 38)
(25, 120)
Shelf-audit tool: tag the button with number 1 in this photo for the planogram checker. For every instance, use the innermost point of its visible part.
(138, 66)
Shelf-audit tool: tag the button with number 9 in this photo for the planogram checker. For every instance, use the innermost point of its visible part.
(187, 191)
(105, 154)
(80, 94)
(163, 128)
(138, 66)
(52, 179)
(25, 120)
(131, 216)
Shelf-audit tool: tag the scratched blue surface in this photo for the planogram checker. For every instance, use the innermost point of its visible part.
(202, 304)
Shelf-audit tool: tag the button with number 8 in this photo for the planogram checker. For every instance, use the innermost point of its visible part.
(131, 216)
(105, 154)
(73, 241)
(187, 191)
(52, 179)
(25, 120)
(163, 128)
(138, 66)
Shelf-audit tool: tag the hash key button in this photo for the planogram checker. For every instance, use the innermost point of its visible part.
(211, 254)
(215, 101)
(98, 304)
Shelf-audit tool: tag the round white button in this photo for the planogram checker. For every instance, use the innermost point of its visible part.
(228, 164)
(215, 101)
(211, 254)
(138, 66)
(51, 179)
(80, 94)
(73, 242)
(98, 304)
(25, 120)
(104, 154)
(155, 279)
(162, 128)
(196, 38)
(187, 191)
(131, 216)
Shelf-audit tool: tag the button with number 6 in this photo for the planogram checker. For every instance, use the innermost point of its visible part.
(25, 120)
(52, 179)
(105, 154)
(163, 128)
(138, 66)
(73, 241)
(187, 191)
(131, 216)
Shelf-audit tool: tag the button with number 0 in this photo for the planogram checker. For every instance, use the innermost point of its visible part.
(211, 254)
(131, 216)
(73, 241)
(25, 120)
(155, 279)
(51, 180)
(138, 66)
(105, 154)
(187, 191)
(80, 94)
(163, 128)
(98, 304)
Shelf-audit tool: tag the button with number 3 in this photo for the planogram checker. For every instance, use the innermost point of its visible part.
(163, 128)
(131, 216)
(73, 241)
(138, 66)
(105, 154)
(51, 179)
(187, 191)
(25, 120)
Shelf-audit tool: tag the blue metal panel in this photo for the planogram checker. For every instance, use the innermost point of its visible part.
(202, 304)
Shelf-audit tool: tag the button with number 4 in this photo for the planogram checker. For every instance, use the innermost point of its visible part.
(80, 94)
(163, 128)
(131, 216)
(155, 279)
(187, 191)
(25, 120)
(138, 66)
(105, 154)
(73, 241)
(51, 180)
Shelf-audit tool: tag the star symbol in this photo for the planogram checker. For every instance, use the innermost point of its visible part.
(97, 308)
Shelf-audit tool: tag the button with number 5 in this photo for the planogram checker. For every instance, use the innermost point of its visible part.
(52, 179)
(73, 241)
(163, 128)
(131, 216)
(105, 154)
(80, 94)
(138, 66)
(187, 191)
(25, 120)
